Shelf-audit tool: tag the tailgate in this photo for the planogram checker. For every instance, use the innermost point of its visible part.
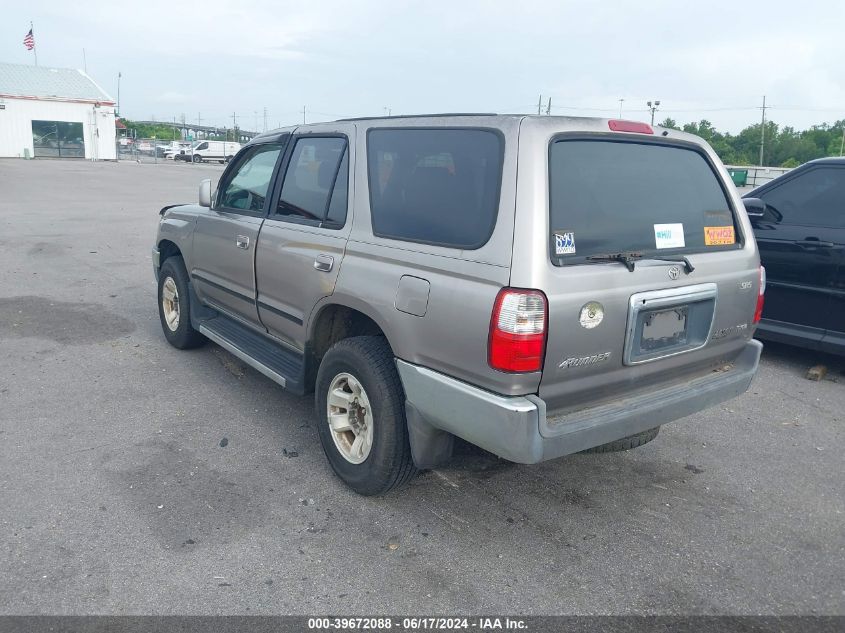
(614, 332)
(616, 328)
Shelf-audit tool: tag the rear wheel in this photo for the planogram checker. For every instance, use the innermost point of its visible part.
(361, 416)
(197, 158)
(626, 443)
(174, 307)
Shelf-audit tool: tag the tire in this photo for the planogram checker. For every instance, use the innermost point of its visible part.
(197, 158)
(228, 159)
(179, 332)
(626, 443)
(382, 462)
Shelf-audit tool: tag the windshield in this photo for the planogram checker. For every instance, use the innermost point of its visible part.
(655, 199)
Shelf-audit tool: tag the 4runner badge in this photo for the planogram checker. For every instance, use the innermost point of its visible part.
(581, 361)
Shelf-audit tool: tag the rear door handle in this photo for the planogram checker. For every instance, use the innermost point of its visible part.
(324, 263)
(242, 241)
(814, 243)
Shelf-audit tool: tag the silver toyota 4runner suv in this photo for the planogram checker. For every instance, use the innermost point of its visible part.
(537, 286)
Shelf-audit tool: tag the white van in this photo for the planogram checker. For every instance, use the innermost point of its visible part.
(221, 151)
(176, 148)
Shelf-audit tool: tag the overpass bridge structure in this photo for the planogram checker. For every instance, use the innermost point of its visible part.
(204, 131)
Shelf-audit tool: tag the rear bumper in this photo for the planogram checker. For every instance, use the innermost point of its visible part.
(517, 429)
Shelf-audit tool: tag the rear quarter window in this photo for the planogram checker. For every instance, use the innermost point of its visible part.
(624, 196)
(436, 186)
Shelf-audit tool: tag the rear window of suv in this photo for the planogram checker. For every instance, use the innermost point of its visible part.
(436, 186)
(621, 196)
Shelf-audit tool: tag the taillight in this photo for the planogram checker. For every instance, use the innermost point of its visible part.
(758, 311)
(618, 125)
(518, 330)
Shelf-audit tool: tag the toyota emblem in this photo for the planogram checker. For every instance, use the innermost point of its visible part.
(674, 272)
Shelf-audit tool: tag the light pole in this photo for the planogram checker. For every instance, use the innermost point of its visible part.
(653, 107)
(621, 101)
(118, 91)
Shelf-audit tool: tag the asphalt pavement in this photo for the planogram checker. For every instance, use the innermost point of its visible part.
(135, 478)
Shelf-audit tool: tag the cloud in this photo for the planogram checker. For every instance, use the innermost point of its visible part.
(351, 58)
(173, 97)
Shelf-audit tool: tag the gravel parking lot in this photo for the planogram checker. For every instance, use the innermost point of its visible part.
(135, 478)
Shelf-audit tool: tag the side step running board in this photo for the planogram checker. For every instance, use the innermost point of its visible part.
(279, 364)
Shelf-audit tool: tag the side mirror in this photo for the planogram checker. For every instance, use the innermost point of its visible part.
(759, 211)
(205, 193)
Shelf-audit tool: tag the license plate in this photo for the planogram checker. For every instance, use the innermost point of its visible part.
(664, 328)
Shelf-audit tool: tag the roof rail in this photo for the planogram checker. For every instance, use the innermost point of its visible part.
(418, 116)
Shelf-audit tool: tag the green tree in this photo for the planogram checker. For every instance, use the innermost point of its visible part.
(783, 146)
(159, 130)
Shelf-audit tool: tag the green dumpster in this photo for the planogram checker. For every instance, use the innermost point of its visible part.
(739, 176)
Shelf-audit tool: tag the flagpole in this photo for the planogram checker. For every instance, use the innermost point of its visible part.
(34, 45)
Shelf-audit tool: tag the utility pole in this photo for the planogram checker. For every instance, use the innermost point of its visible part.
(842, 144)
(118, 91)
(763, 131)
(549, 107)
(303, 115)
(265, 118)
(653, 107)
(539, 104)
(621, 101)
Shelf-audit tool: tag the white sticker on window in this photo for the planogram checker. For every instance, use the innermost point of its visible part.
(669, 236)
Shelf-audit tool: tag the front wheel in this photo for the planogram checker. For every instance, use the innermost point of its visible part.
(360, 407)
(174, 306)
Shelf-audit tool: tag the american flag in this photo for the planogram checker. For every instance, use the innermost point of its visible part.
(29, 41)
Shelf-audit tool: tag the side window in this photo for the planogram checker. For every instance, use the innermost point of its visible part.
(310, 179)
(246, 189)
(814, 197)
(436, 186)
(202, 146)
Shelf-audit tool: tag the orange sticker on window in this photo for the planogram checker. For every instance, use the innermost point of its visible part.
(719, 235)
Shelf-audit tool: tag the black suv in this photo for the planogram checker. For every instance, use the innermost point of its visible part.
(799, 222)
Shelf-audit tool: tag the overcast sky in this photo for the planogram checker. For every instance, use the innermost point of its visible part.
(711, 59)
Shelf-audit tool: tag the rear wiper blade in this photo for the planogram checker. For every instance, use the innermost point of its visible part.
(623, 258)
(675, 258)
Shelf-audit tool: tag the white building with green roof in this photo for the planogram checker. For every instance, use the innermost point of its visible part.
(54, 113)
